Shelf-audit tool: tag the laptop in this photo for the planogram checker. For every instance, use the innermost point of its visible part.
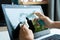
(16, 14)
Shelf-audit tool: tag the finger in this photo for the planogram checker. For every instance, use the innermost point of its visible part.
(21, 25)
(36, 19)
(39, 14)
(24, 28)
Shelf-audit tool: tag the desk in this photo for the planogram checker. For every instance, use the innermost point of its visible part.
(4, 28)
(4, 35)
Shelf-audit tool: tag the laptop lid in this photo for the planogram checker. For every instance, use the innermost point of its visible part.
(14, 14)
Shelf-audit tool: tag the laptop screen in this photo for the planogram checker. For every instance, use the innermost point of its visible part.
(15, 15)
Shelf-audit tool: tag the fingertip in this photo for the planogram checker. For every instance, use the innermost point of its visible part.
(37, 13)
(25, 27)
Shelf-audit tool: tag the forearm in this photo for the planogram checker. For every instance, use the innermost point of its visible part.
(27, 39)
(51, 24)
(56, 24)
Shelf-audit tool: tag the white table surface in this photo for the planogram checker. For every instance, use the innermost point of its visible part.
(4, 34)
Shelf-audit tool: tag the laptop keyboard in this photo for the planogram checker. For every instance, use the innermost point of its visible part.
(53, 37)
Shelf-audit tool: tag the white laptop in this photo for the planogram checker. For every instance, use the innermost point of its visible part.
(14, 14)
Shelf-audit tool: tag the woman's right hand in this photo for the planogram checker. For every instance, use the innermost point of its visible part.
(47, 20)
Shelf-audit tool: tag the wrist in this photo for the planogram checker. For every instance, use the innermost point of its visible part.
(51, 25)
(29, 39)
(26, 39)
(48, 22)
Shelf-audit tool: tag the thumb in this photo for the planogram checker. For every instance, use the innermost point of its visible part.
(39, 14)
(24, 27)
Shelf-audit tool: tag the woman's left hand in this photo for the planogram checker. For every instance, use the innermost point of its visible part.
(25, 33)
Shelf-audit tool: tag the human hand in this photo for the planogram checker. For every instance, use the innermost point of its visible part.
(47, 20)
(25, 33)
